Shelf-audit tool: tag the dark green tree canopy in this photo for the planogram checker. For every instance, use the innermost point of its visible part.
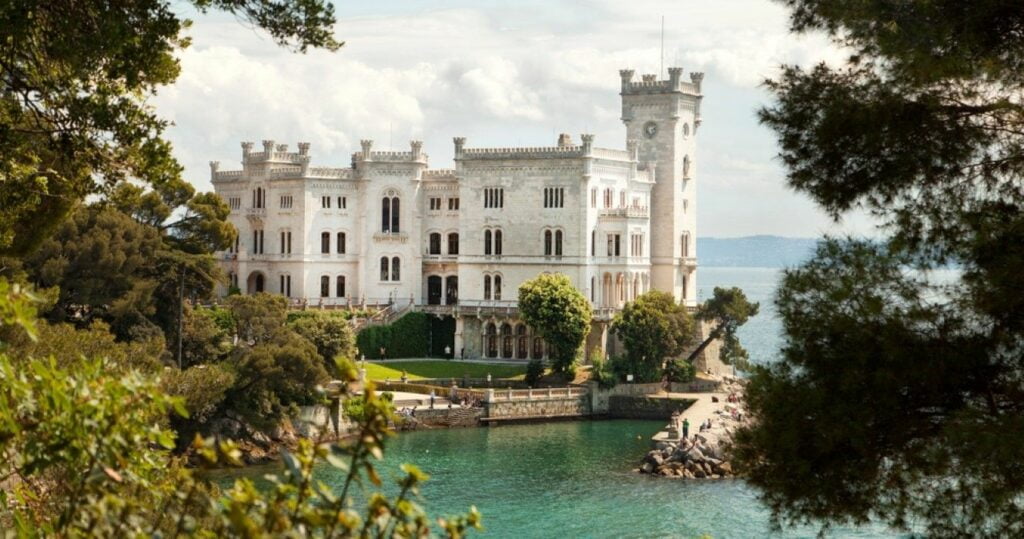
(652, 329)
(899, 396)
(75, 77)
(551, 305)
(726, 311)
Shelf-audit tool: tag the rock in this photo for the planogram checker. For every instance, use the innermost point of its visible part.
(715, 476)
(664, 470)
(655, 458)
(699, 474)
(725, 468)
(647, 467)
(661, 446)
(713, 461)
(695, 454)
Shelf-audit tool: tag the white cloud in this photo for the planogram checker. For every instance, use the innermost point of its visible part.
(501, 76)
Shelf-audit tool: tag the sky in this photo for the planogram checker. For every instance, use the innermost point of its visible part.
(503, 74)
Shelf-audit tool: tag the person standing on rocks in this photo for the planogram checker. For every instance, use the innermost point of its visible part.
(686, 429)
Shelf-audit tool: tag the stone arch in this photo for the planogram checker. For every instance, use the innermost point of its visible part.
(255, 283)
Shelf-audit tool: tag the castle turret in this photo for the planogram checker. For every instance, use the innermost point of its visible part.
(661, 117)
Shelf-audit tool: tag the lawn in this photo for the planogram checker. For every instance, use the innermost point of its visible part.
(418, 370)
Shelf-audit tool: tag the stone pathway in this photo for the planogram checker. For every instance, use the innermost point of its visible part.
(697, 413)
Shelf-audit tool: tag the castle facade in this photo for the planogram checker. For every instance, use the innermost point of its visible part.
(389, 230)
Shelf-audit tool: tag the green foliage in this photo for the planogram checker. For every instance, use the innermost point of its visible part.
(202, 389)
(899, 398)
(726, 310)
(66, 345)
(680, 370)
(652, 328)
(258, 317)
(273, 377)
(203, 340)
(555, 309)
(406, 337)
(534, 372)
(76, 118)
(85, 456)
(602, 373)
(332, 335)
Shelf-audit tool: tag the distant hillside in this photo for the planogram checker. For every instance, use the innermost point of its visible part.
(754, 251)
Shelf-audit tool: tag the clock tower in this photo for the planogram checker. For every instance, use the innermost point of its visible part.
(661, 118)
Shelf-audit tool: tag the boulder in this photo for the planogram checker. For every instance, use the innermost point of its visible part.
(699, 474)
(695, 454)
(725, 468)
(646, 467)
(655, 458)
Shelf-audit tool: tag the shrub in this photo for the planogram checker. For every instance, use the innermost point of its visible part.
(203, 389)
(602, 373)
(409, 336)
(534, 371)
(680, 370)
(332, 335)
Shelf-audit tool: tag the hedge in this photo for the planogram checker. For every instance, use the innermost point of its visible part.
(409, 336)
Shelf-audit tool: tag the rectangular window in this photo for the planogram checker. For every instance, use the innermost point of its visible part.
(235, 203)
(288, 236)
(494, 197)
(342, 203)
(593, 197)
(284, 245)
(554, 197)
(325, 242)
(453, 204)
(341, 243)
(614, 244)
(435, 203)
(325, 202)
(341, 286)
(286, 202)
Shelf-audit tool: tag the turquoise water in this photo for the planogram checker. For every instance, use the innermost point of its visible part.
(575, 479)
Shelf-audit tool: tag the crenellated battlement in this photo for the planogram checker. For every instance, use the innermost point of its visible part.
(440, 174)
(650, 84)
(414, 155)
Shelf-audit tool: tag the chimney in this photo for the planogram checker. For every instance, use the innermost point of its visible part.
(564, 140)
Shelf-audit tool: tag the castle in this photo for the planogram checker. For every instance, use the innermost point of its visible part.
(388, 230)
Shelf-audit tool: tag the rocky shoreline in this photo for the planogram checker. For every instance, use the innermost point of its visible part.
(706, 454)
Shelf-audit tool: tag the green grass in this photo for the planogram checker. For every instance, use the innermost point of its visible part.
(417, 370)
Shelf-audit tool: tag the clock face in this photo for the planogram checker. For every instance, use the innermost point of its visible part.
(650, 129)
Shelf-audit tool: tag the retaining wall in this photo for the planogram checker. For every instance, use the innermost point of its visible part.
(641, 407)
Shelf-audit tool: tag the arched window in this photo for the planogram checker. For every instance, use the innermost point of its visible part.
(340, 287)
(538, 348)
(593, 285)
(487, 242)
(558, 243)
(325, 286)
(593, 242)
(341, 243)
(492, 340)
(385, 215)
(506, 341)
(383, 268)
(497, 242)
(547, 243)
(395, 213)
(325, 242)
(686, 245)
(497, 287)
(435, 243)
(521, 345)
(453, 243)
(487, 287)
(396, 265)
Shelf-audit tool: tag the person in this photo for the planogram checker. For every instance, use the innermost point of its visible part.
(383, 353)
(686, 428)
(413, 412)
(405, 376)
(431, 399)
(448, 352)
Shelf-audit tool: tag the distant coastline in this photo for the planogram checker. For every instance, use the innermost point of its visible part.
(754, 251)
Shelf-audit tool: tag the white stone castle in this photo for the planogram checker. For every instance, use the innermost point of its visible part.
(388, 230)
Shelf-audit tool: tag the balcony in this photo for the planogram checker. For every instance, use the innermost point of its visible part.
(688, 261)
(439, 259)
(628, 212)
(390, 237)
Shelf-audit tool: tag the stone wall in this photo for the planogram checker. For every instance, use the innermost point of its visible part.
(312, 419)
(539, 407)
(599, 398)
(447, 417)
(630, 407)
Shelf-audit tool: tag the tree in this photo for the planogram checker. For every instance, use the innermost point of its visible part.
(726, 310)
(332, 335)
(652, 328)
(203, 341)
(85, 455)
(274, 377)
(258, 317)
(75, 78)
(898, 396)
(534, 372)
(555, 309)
